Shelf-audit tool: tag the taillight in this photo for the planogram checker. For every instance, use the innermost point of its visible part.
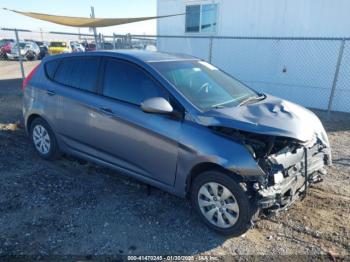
(7, 48)
(27, 79)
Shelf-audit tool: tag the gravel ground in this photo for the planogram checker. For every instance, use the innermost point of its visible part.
(68, 207)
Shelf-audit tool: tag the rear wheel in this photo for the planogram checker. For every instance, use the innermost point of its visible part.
(3, 56)
(221, 203)
(31, 56)
(43, 139)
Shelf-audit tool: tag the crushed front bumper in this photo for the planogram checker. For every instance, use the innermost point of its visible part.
(301, 168)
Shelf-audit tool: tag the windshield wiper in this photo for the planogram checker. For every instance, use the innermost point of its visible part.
(222, 105)
(252, 99)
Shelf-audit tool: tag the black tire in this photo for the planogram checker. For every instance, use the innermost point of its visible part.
(53, 151)
(243, 222)
(35, 57)
(30, 56)
(2, 56)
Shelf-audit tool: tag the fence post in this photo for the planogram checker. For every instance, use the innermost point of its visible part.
(114, 41)
(19, 55)
(210, 48)
(335, 79)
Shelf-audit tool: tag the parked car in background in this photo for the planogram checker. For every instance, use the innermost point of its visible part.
(89, 46)
(29, 50)
(77, 47)
(44, 50)
(107, 46)
(5, 47)
(59, 47)
(181, 124)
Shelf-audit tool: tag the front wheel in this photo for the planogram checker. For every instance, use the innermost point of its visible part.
(221, 203)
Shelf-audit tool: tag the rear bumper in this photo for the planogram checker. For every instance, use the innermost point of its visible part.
(12, 56)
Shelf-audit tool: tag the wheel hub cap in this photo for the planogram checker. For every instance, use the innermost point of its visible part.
(218, 205)
(41, 139)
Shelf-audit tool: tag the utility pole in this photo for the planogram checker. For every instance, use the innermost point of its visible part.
(94, 28)
(20, 58)
(41, 34)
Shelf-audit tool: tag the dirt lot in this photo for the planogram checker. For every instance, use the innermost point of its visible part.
(71, 208)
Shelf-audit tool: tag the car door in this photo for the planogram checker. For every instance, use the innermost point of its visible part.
(143, 143)
(74, 87)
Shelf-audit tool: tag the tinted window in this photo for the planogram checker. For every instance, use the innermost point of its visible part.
(51, 67)
(78, 72)
(126, 82)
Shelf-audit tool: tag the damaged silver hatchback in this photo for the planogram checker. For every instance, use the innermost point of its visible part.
(180, 124)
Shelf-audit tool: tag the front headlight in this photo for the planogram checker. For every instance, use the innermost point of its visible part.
(278, 177)
(322, 135)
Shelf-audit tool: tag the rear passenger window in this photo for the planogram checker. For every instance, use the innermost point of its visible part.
(79, 72)
(126, 82)
(51, 67)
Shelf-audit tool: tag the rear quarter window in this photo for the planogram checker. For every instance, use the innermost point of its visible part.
(51, 67)
(78, 72)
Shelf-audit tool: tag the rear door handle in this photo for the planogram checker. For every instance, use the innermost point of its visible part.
(51, 92)
(106, 110)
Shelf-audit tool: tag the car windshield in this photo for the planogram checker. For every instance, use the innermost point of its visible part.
(204, 85)
(21, 45)
(4, 42)
(58, 44)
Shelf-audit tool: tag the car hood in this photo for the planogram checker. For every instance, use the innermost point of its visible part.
(271, 116)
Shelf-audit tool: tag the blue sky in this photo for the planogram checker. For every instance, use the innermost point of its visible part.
(103, 8)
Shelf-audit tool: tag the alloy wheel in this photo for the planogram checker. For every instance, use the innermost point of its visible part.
(41, 139)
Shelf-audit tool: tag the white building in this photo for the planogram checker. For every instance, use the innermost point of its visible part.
(299, 70)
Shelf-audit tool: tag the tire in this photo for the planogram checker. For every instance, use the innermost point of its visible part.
(30, 56)
(43, 139)
(235, 212)
(35, 57)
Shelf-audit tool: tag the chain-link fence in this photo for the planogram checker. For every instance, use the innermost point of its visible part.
(313, 72)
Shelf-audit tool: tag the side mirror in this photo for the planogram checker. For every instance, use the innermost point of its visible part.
(156, 105)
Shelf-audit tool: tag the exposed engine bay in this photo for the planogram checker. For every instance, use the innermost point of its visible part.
(291, 166)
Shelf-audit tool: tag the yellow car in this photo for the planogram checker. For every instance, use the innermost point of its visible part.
(59, 48)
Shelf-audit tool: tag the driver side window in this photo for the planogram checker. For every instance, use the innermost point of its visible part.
(126, 82)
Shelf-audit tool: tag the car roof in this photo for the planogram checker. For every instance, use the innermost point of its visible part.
(151, 56)
(138, 55)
